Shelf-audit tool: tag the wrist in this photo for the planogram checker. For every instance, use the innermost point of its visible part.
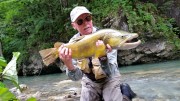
(70, 66)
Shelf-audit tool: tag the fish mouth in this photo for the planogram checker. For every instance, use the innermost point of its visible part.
(131, 42)
(132, 39)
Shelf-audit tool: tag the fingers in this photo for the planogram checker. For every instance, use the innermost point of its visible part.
(64, 53)
(99, 42)
(61, 51)
(108, 47)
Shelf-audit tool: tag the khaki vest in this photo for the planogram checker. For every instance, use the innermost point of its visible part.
(83, 64)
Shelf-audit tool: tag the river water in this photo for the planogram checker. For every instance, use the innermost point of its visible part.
(151, 82)
(155, 82)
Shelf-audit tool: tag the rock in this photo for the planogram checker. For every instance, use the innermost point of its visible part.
(16, 91)
(152, 51)
(37, 95)
(35, 66)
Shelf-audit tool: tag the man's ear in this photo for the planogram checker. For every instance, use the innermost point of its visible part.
(73, 25)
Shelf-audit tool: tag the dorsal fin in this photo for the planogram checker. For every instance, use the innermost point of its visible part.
(77, 39)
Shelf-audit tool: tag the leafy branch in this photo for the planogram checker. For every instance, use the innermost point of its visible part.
(9, 72)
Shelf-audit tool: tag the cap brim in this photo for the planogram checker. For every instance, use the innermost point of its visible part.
(77, 15)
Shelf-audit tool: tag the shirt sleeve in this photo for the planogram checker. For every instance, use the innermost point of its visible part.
(113, 65)
(75, 74)
(112, 56)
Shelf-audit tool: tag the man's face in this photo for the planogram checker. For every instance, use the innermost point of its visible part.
(83, 24)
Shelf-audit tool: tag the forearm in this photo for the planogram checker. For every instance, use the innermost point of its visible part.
(74, 73)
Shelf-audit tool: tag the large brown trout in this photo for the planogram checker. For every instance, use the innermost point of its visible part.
(85, 46)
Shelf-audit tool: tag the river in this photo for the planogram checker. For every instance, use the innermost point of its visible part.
(151, 82)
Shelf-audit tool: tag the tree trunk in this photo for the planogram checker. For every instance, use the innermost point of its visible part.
(1, 54)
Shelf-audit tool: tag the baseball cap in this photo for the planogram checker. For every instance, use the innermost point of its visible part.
(77, 11)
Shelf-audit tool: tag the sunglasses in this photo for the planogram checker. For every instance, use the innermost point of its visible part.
(81, 21)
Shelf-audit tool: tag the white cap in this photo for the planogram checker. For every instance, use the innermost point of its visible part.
(77, 11)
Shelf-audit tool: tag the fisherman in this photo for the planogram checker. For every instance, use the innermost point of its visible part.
(100, 77)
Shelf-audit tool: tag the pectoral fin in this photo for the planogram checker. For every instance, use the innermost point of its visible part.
(83, 65)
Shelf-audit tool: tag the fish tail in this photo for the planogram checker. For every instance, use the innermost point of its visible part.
(58, 44)
(49, 55)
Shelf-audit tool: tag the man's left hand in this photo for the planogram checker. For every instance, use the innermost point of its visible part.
(108, 47)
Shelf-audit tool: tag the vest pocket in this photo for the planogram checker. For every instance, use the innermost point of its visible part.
(97, 70)
(83, 65)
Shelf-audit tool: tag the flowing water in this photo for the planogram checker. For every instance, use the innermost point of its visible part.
(151, 82)
(160, 81)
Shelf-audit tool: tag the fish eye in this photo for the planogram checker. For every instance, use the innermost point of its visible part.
(123, 37)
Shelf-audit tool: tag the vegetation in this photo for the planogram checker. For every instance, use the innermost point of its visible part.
(32, 25)
(145, 18)
(8, 71)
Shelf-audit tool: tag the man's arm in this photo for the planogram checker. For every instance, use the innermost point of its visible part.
(72, 70)
(76, 73)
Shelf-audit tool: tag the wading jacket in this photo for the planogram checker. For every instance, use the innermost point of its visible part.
(105, 68)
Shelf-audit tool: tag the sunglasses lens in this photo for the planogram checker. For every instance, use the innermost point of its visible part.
(80, 22)
(88, 18)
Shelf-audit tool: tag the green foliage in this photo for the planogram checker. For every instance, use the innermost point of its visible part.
(32, 25)
(6, 95)
(26, 24)
(2, 85)
(9, 73)
(3, 63)
(146, 19)
(31, 99)
(102, 9)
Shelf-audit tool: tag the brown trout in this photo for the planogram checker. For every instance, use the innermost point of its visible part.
(85, 46)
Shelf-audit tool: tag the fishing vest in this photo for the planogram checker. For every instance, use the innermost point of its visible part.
(93, 67)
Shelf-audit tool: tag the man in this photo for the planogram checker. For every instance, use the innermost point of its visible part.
(95, 87)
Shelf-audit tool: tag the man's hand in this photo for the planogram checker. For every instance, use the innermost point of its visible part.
(65, 54)
(108, 47)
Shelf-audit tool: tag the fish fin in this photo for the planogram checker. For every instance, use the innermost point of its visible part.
(58, 44)
(49, 55)
(77, 39)
(106, 38)
(83, 65)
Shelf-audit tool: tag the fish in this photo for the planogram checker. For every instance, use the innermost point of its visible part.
(85, 46)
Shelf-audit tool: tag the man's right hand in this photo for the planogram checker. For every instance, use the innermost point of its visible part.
(65, 54)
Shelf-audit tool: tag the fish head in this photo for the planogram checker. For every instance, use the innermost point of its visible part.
(122, 40)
